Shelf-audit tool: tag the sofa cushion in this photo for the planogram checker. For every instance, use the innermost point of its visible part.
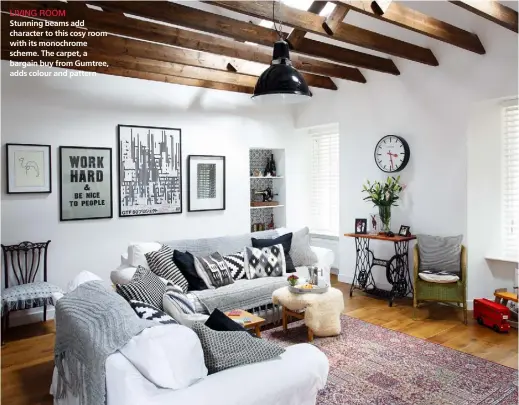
(223, 350)
(123, 274)
(266, 262)
(161, 263)
(439, 253)
(221, 322)
(137, 252)
(236, 265)
(151, 313)
(144, 286)
(215, 269)
(170, 356)
(285, 241)
(186, 263)
(301, 252)
(441, 277)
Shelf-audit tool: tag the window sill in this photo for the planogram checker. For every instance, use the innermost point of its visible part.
(497, 258)
(323, 235)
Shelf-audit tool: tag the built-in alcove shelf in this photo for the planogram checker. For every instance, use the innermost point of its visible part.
(267, 206)
(263, 215)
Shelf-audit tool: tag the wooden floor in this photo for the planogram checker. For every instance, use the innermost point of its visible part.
(27, 357)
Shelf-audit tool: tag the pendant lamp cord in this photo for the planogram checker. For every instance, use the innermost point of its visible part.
(278, 27)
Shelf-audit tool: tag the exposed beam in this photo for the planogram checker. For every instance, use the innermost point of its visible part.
(189, 17)
(332, 22)
(413, 20)
(117, 23)
(492, 11)
(118, 71)
(344, 32)
(296, 35)
(180, 62)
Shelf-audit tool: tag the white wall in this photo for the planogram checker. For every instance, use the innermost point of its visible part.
(429, 107)
(85, 112)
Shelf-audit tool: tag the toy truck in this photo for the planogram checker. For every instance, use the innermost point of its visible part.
(492, 314)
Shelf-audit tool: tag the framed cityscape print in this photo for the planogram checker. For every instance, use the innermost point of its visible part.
(206, 183)
(28, 168)
(150, 170)
(85, 175)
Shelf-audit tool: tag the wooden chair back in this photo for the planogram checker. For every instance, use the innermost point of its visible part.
(24, 261)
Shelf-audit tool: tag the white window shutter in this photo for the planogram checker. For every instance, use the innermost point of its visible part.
(510, 194)
(325, 182)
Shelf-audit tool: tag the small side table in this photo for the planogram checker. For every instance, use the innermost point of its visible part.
(255, 322)
(397, 268)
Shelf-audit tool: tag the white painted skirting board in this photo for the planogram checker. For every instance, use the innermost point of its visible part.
(343, 278)
(17, 318)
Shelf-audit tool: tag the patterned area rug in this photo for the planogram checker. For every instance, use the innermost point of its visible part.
(371, 365)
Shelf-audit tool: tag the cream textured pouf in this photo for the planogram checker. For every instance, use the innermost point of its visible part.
(322, 312)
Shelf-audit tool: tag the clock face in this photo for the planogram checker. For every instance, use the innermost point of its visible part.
(392, 153)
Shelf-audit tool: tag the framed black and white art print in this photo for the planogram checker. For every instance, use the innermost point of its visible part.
(150, 170)
(206, 183)
(85, 183)
(28, 168)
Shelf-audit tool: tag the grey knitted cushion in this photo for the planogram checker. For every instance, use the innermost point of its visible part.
(300, 250)
(223, 350)
(439, 253)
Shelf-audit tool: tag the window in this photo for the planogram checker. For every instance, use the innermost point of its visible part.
(510, 128)
(324, 204)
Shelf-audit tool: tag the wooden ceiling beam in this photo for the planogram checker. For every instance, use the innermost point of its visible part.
(180, 62)
(296, 35)
(492, 11)
(336, 17)
(119, 24)
(137, 74)
(345, 32)
(189, 17)
(404, 17)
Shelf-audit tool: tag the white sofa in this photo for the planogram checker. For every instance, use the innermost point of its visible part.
(225, 245)
(293, 379)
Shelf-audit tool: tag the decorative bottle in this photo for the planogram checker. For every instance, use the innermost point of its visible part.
(271, 223)
(272, 166)
(267, 168)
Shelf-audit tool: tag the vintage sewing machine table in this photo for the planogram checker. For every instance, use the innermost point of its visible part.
(397, 268)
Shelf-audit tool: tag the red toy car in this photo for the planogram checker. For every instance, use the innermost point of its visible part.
(492, 314)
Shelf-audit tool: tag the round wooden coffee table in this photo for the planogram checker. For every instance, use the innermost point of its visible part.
(321, 312)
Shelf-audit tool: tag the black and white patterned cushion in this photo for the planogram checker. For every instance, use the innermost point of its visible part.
(439, 253)
(223, 350)
(151, 313)
(177, 298)
(265, 262)
(236, 265)
(161, 263)
(144, 286)
(215, 269)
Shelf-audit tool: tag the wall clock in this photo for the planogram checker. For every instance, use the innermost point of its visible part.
(392, 153)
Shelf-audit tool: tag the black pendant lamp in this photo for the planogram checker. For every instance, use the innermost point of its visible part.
(281, 82)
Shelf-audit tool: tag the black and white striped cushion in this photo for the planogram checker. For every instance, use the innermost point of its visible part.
(177, 297)
(439, 253)
(236, 264)
(161, 263)
(151, 313)
(144, 286)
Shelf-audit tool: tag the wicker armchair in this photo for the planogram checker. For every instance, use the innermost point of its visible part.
(439, 292)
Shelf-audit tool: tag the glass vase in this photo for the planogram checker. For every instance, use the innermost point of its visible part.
(384, 211)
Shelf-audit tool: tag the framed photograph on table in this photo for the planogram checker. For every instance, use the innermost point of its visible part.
(85, 183)
(404, 230)
(361, 225)
(206, 183)
(28, 168)
(150, 170)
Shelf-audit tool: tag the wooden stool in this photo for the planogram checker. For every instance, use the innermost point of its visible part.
(502, 297)
(297, 315)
